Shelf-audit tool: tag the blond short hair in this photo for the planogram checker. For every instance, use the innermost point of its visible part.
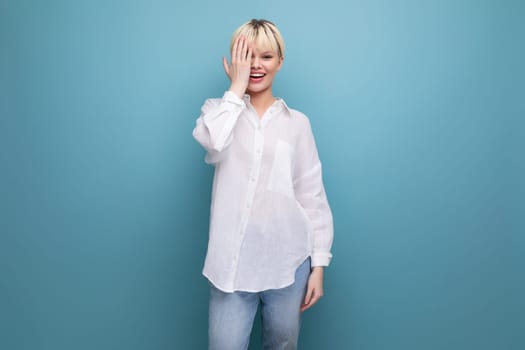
(263, 33)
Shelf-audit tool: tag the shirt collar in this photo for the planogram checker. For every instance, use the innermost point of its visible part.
(278, 104)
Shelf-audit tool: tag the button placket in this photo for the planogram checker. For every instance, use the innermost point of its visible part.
(258, 144)
(253, 176)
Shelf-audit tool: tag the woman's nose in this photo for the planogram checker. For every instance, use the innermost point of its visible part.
(255, 62)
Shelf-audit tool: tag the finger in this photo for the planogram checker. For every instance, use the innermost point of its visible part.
(249, 54)
(310, 303)
(246, 53)
(226, 66)
(306, 306)
(234, 49)
(243, 49)
(308, 296)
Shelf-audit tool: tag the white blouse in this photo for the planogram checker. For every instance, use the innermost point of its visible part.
(269, 211)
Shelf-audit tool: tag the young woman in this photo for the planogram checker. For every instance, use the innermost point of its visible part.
(271, 226)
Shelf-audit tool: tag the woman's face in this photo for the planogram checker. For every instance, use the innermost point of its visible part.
(265, 63)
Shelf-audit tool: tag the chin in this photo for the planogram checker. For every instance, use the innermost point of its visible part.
(257, 89)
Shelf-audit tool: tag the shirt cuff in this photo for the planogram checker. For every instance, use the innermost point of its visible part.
(321, 259)
(230, 96)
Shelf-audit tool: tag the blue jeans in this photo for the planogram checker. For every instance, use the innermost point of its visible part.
(231, 315)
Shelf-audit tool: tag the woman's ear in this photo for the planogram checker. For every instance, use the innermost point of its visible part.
(281, 59)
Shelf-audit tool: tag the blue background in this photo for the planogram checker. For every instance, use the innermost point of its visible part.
(417, 108)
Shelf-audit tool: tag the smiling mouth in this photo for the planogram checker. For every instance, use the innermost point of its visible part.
(257, 76)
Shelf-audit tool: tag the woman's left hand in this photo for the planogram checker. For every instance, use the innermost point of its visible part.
(314, 290)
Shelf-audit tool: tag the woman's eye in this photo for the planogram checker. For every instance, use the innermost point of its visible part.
(267, 57)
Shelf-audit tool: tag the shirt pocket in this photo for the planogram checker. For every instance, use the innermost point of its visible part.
(280, 179)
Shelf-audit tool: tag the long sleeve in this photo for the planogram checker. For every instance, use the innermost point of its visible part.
(310, 193)
(214, 127)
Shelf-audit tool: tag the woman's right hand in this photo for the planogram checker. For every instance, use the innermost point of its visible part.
(239, 70)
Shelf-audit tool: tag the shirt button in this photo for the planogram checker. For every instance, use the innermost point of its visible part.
(248, 206)
(258, 151)
(252, 179)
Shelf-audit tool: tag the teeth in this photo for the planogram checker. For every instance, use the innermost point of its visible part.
(257, 75)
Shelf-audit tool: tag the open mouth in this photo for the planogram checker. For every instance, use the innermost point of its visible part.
(257, 76)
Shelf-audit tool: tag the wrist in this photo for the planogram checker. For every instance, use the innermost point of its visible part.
(238, 90)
